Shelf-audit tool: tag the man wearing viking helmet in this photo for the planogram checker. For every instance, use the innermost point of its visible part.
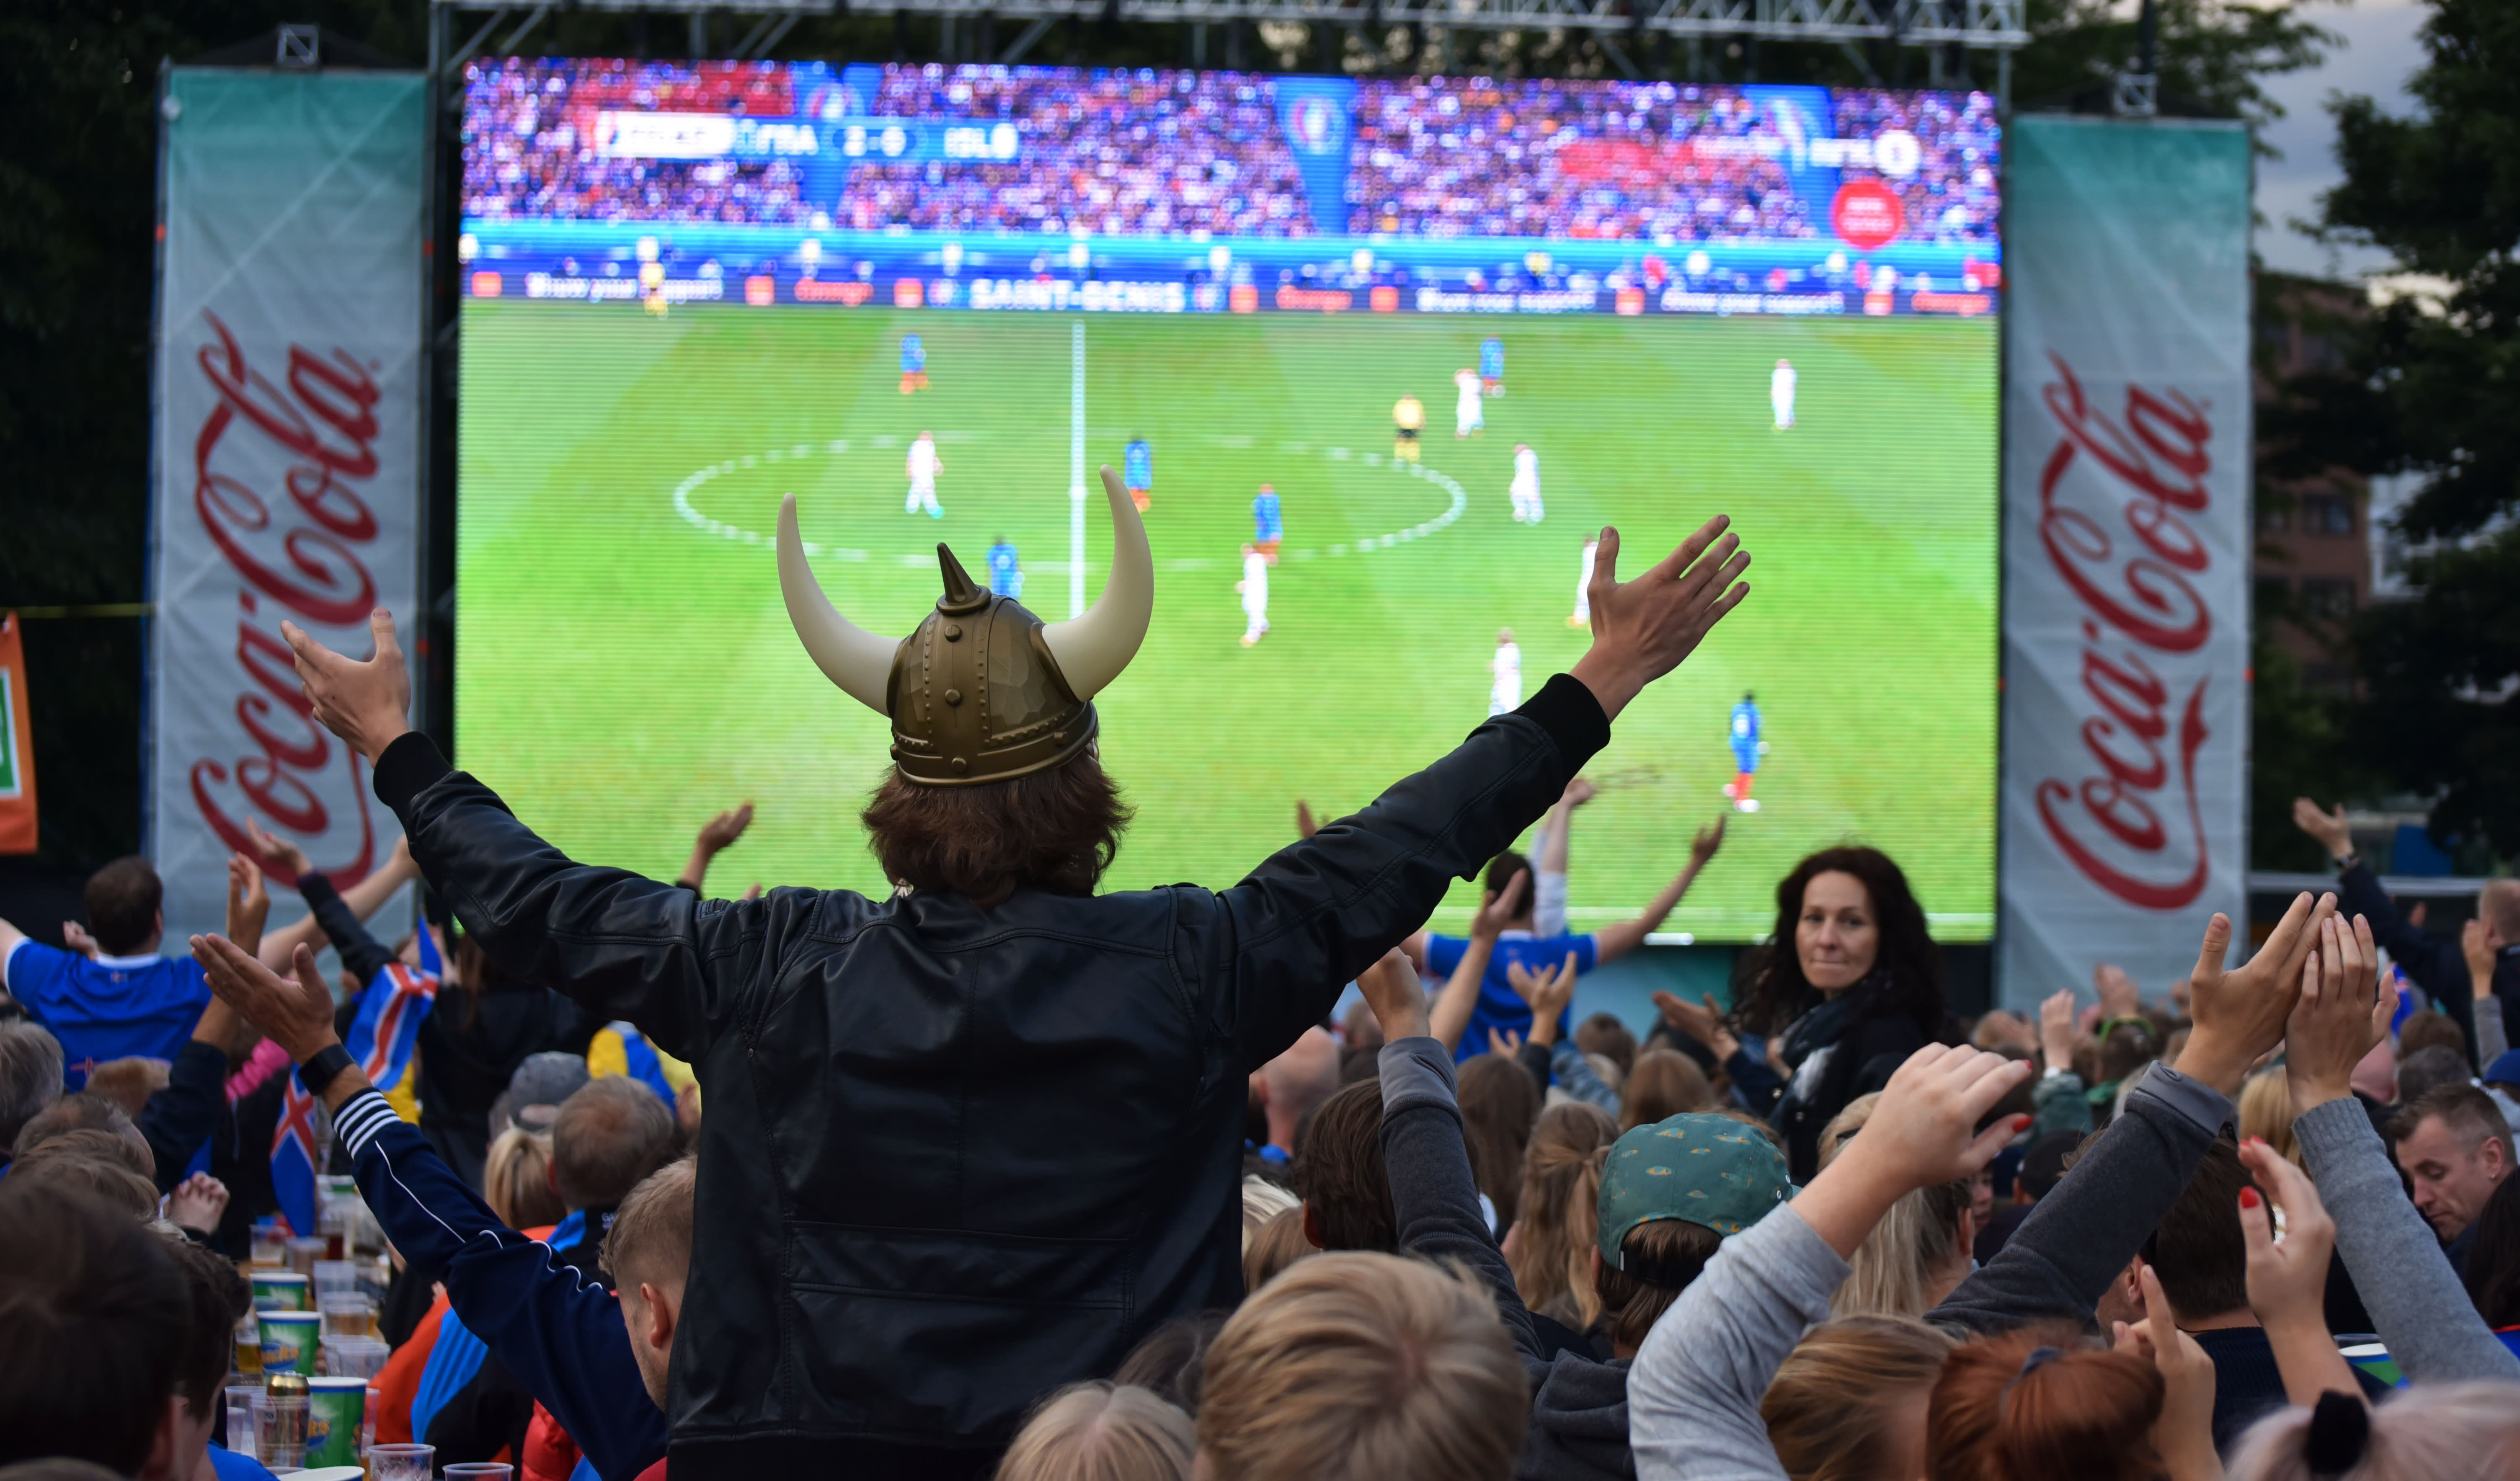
(973, 1140)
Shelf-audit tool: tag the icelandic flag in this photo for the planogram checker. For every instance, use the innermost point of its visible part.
(381, 1042)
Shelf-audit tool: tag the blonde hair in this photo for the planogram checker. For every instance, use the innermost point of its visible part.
(1560, 1206)
(2266, 1113)
(1262, 1201)
(2432, 1429)
(516, 1180)
(1894, 1268)
(651, 1238)
(1360, 1366)
(1830, 1408)
(1275, 1245)
(1100, 1432)
(1844, 1126)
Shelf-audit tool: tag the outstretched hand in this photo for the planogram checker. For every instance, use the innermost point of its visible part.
(294, 1011)
(249, 902)
(2056, 1029)
(1710, 837)
(1305, 826)
(1701, 1021)
(1398, 1001)
(1499, 908)
(1548, 989)
(2330, 829)
(1923, 1131)
(279, 853)
(2240, 1013)
(1642, 629)
(2478, 943)
(719, 834)
(2341, 1014)
(367, 704)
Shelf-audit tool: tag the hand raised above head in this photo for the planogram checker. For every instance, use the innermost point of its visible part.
(720, 832)
(368, 704)
(294, 1011)
(2056, 1029)
(2341, 1013)
(2240, 1012)
(1550, 987)
(281, 853)
(1924, 1127)
(1499, 908)
(1393, 990)
(1642, 629)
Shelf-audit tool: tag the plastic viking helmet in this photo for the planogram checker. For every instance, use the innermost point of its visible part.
(982, 690)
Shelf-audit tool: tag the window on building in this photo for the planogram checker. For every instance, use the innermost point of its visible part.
(2327, 515)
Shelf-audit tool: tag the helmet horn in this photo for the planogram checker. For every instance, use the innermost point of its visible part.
(1093, 648)
(857, 661)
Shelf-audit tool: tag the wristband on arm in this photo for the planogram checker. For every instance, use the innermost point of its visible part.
(324, 1068)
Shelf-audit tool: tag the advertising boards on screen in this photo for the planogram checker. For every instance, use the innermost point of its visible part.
(2126, 531)
(1379, 355)
(288, 455)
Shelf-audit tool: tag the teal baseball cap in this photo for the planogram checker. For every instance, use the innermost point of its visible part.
(1711, 1170)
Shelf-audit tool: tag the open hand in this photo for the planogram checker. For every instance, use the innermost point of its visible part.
(1305, 826)
(1709, 839)
(197, 1203)
(1702, 1020)
(294, 1012)
(1398, 1001)
(1578, 792)
(280, 854)
(367, 704)
(719, 834)
(1924, 1128)
(2240, 1013)
(2478, 943)
(2341, 1013)
(249, 900)
(2118, 995)
(1499, 908)
(2056, 1029)
(2287, 1277)
(2327, 827)
(1548, 989)
(1642, 629)
(1505, 1042)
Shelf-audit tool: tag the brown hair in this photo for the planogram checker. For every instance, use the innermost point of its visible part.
(1100, 1432)
(122, 900)
(1338, 1170)
(1604, 1035)
(2198, 1248)
(2469, 1111)
(1170, 1361)
(2431, 1028)
(610, 1134)
(1664, 1083)
(2083, 1415)
(128, 1081)
(650, 1237)
(1560, 1212)
(92, 1144)
(1362, 1368)
(219, 1298)
(1662, 1257)
(62, 1167)
(1277, 1244)
(1499, 1105)
(516, 1180)
(1055, 829)
(83, 1111)
(1775, 993)
(87, 1297)
(1830, 1408)
(2128, 1048)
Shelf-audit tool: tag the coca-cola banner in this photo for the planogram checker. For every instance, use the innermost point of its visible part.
(287, 454)
(2125, 614)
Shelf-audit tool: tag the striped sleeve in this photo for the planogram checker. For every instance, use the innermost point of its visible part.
(361, 1117)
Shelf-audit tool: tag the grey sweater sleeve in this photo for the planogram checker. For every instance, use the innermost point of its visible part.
(1433, 1198)
(1693, 1394)
(2491, 1042)
(2415, 1299)
(2080, 1236)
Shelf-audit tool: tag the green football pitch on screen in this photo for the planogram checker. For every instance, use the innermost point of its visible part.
(625, 667)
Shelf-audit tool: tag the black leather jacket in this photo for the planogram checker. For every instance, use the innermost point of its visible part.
(955, 1159)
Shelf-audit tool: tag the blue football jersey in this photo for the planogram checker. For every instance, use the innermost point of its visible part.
(913, 354)
(1002, 569)
(1745, 724)
(1492, 359)
(110, 1009)
(1264, 517)
(1138, 464)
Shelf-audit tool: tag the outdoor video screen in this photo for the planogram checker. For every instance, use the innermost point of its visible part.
(1379, 356)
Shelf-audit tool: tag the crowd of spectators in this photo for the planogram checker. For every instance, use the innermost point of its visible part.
(1952, 194)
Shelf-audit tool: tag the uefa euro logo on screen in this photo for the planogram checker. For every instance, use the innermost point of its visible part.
(1317, 125)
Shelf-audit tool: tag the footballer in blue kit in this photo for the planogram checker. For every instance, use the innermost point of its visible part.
(1492, 367)
(1138, 473)
(126, 1001)
(913, 365)
(1267, 527)
(1005, 577)
(1746, 747)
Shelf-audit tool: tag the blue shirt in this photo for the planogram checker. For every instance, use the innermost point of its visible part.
(1492, 359)
(1264, 517)
(1500, 1007)
(1138, 464)
(914, 355)
(1745, 726)
(110, 1009)
(228, 1465)
(1002, 569)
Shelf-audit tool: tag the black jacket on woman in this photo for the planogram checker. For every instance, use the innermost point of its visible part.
(1865, 1048)
(955, 1159)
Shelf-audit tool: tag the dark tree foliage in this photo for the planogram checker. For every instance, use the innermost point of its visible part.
(2440, 191)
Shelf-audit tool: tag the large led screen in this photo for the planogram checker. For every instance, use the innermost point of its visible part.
(1381, 355)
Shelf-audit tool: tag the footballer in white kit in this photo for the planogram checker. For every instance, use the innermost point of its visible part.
(1526, 485)
(1470, 415)
(1504, 675)
(1583, 613)
(1780, 393)
(1254, 587)
(924, 466)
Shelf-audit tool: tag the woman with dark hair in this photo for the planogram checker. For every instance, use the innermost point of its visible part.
(2492, 1269)
(1847, 987)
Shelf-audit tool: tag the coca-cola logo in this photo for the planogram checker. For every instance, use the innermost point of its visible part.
(277, 471)
(2119, 536)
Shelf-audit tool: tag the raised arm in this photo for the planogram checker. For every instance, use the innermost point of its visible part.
(1612, 942)
(1461, 995)
(717, 837)
(360, 901)
(1549, 861)
(622, 946)
(1324, 909)
(561, 1333)
(2416, 1302)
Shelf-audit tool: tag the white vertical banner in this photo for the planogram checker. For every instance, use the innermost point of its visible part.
(288, 446)
(2126, 544)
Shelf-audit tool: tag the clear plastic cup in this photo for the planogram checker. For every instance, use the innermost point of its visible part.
(242, 1434)
(400, 1463)
(334, 1278)
(347, 1315)
(480, 1470)
(355, 1357)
